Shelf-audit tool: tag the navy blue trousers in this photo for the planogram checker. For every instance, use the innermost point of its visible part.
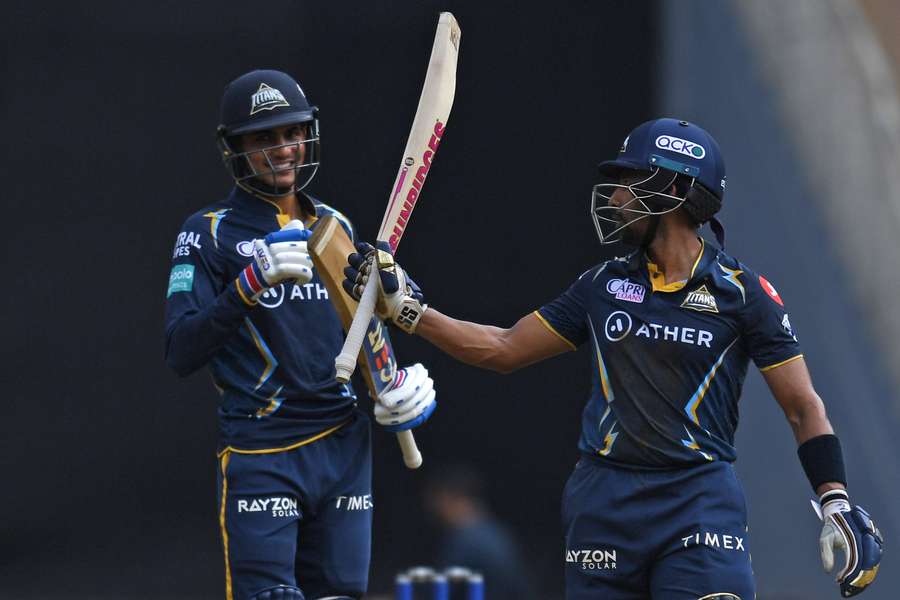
(676, 534)
(299, 517)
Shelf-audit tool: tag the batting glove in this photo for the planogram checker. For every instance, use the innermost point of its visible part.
(399, 298)
(280, 256)
(408, 401)
(853, 532)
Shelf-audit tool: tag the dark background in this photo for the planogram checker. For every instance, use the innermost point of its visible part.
(109, 118)
(107, 487)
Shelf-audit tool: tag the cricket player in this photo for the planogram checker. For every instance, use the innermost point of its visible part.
(294, 472)
(653, 509)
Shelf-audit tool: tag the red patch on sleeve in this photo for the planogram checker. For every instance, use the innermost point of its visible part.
(770, 290)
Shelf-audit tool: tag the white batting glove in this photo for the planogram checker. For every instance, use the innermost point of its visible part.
(408, 401)
(851, 531)
(279, 257)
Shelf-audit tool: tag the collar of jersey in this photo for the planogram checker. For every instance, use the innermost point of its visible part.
(656, 275)
(267, 207)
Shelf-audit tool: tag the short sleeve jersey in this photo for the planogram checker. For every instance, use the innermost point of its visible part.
(272, 362)
(669, 360)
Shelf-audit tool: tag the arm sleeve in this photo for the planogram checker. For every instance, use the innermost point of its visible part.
(202, 308)
(565, 316)
(770, 338)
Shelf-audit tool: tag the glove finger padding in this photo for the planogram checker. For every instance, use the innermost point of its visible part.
(409, 378)
(409, 401)
(408, 420)
(356, 275)
(851, 531)
(828, 541)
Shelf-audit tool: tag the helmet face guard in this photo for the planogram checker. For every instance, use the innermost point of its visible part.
(649, 198)
(652, 158)
(263, 181)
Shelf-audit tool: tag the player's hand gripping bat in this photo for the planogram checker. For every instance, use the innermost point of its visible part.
(329, 247)
(427, 130)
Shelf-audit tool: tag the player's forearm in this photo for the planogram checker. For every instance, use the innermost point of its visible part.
(474, 344)
(809, 420)
(807, 417)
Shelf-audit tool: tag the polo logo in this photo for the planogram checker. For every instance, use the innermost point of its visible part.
(266, 98)
(700, 300)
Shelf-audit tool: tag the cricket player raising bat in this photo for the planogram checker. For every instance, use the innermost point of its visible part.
(653, 508)
(295, 489)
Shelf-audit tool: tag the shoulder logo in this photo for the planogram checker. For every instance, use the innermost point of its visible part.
(770, 290)
(786, 325)
(668, 142)
(266, 98)
(181, 279)
(627, 290)
(700, 300)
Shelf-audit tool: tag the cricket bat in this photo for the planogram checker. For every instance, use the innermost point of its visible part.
(329, 247)
(424, 137)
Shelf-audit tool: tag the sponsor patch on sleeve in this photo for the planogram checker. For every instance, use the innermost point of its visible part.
(770, 290)
(181, 279)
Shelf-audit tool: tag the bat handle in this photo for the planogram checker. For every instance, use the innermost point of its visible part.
(411, 455)
(345, 362)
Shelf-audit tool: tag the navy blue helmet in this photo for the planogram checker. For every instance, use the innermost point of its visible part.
(657, 155)
(262, 100)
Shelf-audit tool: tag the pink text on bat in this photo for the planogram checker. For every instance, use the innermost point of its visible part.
(413, 195)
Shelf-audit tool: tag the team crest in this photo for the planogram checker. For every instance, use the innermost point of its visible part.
(700, 300)
(266, 98)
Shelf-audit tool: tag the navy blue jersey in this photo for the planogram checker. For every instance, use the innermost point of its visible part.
(272, 362)
(670, 359)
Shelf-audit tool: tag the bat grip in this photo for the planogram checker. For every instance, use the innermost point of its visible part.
(412, 458)
(345, 363)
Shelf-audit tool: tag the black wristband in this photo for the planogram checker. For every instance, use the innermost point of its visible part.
(822, 460)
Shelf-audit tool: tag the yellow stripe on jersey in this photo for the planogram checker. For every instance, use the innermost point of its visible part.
(224, 458)
(308, 440)
(731, 276)
(268, 357)
(274, 404)
(657, 278)
(778, 364)
(608, 441)
(215, 218)
(694, 403)
(601, 366)
(555, 332)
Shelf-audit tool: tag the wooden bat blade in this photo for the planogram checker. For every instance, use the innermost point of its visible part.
(427, 131)
(329, 247)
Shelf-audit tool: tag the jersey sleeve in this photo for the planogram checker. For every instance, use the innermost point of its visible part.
(770, 338)
(203, 308)
(566, 315)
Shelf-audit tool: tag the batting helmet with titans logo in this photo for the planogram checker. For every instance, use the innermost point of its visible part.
(261, 100)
